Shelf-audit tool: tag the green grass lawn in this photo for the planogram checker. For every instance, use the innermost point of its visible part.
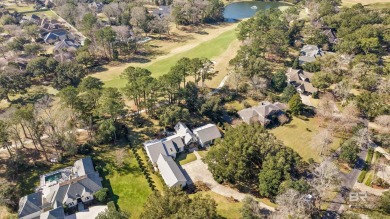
(183, 158)
(225, 208)
(47, 13)
(127, 184)
(156, 179)
(298, 135)
(208, 49)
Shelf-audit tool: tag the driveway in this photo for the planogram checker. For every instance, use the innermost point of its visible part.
(306, 100)
(90, 213)
(198, 171)
(347, 184)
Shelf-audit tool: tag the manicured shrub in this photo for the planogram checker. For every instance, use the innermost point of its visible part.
(362, 176)
(369, 180)
(370, 154)
(101, 195)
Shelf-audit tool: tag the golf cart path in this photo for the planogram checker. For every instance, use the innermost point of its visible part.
(198, 171)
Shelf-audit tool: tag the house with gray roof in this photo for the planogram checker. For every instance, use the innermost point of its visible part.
(168, 146)
(331, 35)
(170, 171)
(72, 186)
(309, 53)
(185, 133)
(162, 11)
(207, 134)
(57, 213)
(66, 45)
(262, 113)
(301, 80)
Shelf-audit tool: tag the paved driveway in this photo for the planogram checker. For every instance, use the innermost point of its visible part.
(198, 171)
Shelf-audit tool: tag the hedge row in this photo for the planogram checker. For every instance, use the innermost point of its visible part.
(144, 169)
(369, 180)
(362, 176)
(369, 156)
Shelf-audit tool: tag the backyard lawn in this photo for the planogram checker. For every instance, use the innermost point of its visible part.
(127, 184)
(208, 49)
(298, 134)
(226, 208)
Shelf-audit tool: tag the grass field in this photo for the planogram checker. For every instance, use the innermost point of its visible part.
(208, 49)
(298, 135)
(225, 208)
(156, 179)
(349, 3)
(183, 158)
(127, 184)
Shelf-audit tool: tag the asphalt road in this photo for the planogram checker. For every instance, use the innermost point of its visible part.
(347, 183)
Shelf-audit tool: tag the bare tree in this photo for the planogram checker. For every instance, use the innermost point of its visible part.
(326, 179)
(363, 138)
(384, 86)
(341, 91)
(384, 121)
(322, 140)
(139, 18)
(293, 204)
(235, 78)
(327, 107)
(349, 118)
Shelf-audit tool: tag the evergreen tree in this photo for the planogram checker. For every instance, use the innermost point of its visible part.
(295, 104)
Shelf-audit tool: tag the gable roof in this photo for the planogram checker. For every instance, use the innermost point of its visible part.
(207, 132)
(57, 213)
(169, 170)
(82, 182)
(301, 80)
(154, 148)
(309, 53)
(30, 204)
(84, 166)
(184, 132)
(173, 144)
(331, 34)
(260, 112)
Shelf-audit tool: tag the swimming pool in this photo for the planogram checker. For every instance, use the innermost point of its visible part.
(53, 177)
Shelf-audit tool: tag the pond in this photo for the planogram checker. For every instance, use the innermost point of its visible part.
(240, 10)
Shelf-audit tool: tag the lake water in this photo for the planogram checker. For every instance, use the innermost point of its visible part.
(240, 10)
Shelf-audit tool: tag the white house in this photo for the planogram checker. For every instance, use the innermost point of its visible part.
(207, 134)
(185, 133)
(168, 146)
(170, 172)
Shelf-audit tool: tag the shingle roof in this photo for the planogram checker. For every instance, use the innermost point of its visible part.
(309, 53)
(84, 166)
(169, 170)
(154, 149)
(301, 79)
(260, 112)
(30, 204)
(184, 132)
(207, 132)
(173, 144)
(57, 213)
